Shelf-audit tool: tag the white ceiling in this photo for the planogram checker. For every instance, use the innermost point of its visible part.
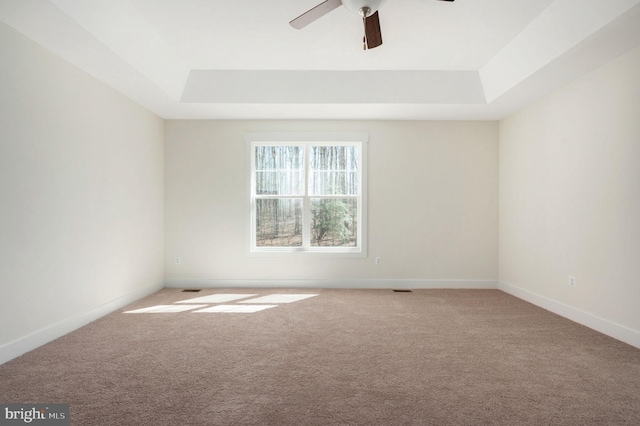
(213, 59)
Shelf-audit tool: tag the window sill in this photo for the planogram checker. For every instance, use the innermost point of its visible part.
(299, 253)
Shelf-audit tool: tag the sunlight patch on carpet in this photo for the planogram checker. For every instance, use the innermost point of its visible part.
(163, 309)
(236, 309)
(216, 298)
(242, 303)
(279, 298)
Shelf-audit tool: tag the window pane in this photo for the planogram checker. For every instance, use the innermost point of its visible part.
(279, 183)
(334, 222)
(279, 170)
(333, 170)
(279, 222)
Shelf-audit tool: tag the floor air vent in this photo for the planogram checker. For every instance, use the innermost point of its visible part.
(191, 290)
(402, 291)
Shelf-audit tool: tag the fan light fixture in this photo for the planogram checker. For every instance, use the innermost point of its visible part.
(359, 6)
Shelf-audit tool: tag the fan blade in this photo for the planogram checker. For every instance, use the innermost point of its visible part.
(372, 31)
(317, 12)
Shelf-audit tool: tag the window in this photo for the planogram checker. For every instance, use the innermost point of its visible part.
(307, 198)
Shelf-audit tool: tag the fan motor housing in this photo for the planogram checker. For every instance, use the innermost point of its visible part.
(356, 5)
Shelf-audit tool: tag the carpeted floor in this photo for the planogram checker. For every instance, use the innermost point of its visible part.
(343, 357)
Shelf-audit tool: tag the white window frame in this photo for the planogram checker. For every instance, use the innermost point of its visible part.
(337, 139)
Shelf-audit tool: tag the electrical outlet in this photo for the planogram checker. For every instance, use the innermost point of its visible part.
(378, 261)
(178, 260)
(572, 281)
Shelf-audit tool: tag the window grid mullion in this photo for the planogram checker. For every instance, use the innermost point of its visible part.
(275, 197)
(306, 204)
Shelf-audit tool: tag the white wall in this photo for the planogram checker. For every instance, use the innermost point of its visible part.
(81, 194)
(432, 205)
(570, 199)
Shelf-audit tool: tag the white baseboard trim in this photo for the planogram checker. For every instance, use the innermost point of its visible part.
(611, 329)
(331, 283)
(27, 343)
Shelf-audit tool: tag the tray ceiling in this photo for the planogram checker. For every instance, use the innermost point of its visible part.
(211, 59)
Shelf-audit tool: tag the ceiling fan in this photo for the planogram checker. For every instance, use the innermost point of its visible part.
(368, 9)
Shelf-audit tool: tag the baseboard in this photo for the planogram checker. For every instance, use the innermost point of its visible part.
(27, 343)
(611, 329)
(331, 283)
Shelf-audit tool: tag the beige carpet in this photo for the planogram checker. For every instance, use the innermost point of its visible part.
(343, 357)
